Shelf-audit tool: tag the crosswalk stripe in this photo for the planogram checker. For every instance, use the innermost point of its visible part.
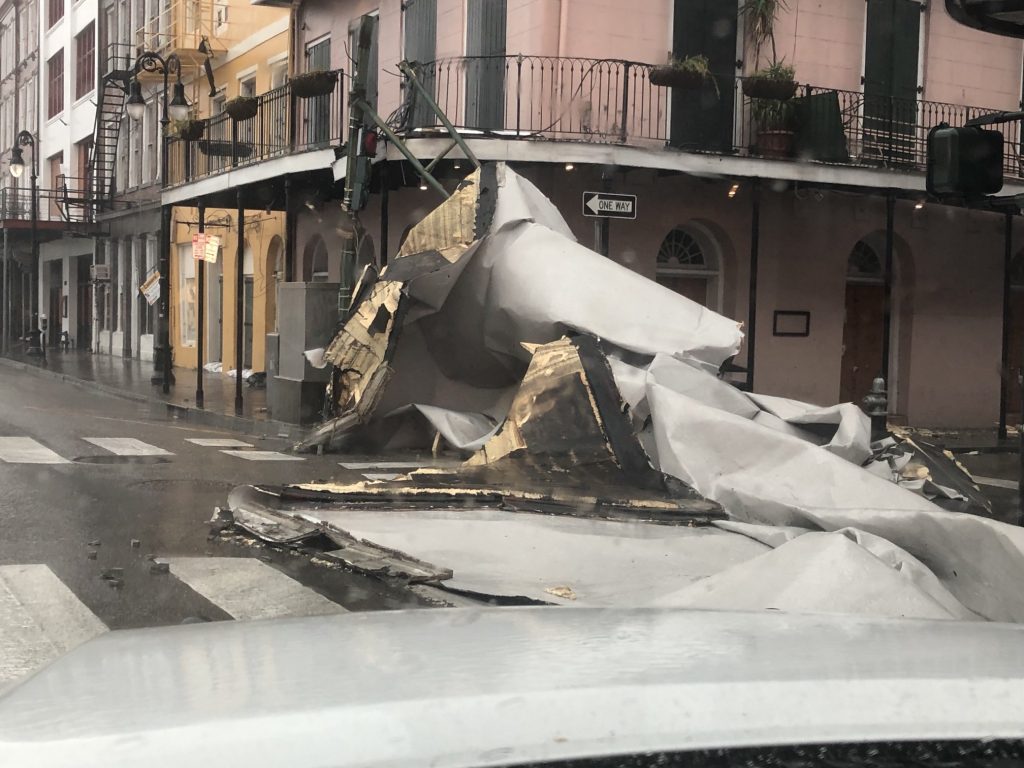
(247, 588)
(40, 620)
(217, 442)
(397, 464)
(263, 456)
(381, 475)
(127, 446)
(25, 450)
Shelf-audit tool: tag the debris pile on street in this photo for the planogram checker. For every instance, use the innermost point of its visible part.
(608, 463)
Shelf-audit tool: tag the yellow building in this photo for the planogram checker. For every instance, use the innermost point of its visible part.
(250, 60)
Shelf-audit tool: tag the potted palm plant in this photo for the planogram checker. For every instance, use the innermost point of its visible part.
(774, 119)
(242, 107)
(309, 85)
(690, 73)
(776, 80)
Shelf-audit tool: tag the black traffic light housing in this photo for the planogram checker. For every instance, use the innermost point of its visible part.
(965, 161)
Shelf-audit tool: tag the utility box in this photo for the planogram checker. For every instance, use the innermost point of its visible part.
(307, 318)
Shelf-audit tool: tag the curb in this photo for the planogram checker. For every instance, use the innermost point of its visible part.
(177, 411)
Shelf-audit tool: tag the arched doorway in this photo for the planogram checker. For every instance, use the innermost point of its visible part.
(314, 261)
(864, 324)
(689, 264)
(273, 272)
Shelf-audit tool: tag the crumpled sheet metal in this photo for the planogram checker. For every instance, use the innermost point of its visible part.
(474, 311)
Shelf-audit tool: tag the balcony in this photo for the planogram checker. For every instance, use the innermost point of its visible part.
(179, 26)
(284, 124)
(614, 101)
(63, 207)
(596, 101)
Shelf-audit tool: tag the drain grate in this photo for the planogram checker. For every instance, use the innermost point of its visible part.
(112, 459)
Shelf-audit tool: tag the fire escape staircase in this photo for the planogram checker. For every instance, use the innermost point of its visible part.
(98, 187)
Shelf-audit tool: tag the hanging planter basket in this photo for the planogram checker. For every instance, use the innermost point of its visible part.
(674, 77)
(242, 107)
(191, 130)
(767, 88)
(210, 148)
(309, 85)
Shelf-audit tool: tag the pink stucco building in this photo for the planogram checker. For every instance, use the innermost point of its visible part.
(795, 246)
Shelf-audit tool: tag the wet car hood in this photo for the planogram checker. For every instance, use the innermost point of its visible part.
(467, 687)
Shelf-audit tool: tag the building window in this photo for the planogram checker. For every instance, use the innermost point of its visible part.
(686, 265)
(82, 151)
(314, 261)
(54, 11)
(55, 81)
(187, 294)
(85, 61)
(864, 264)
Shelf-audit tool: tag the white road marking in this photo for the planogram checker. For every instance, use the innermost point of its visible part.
(996, 482)
(381, 475)
(397, 464)
(217, 442)
(127, 446)
(263, 456)
(40, 620)
(247, 588)
(25, 450)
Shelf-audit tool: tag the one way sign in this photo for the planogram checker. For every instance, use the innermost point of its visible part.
(607, 205)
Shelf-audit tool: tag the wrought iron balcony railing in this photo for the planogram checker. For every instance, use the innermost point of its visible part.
(614, 101)
(599, 101)
(283, 124)
(64, 204)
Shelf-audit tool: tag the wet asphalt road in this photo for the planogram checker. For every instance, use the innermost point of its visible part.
(50, 513)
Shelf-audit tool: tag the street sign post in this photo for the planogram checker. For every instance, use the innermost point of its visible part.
(609, 206)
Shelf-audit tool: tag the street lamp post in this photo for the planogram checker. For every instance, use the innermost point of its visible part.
(17, 166)
(176, 110)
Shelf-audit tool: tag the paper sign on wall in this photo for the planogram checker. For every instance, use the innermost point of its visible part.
(212, 248)
(205, 246)
(151, 288)
(199, 245)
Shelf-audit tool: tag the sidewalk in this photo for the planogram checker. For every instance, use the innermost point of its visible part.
(965, 440)
(130, 378)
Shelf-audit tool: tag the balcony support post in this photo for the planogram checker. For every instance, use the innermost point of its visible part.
(625, 102)
(755, 237)
(890, 216)
(385, 203)
(289, 231)
(239, 302)
(1007, 377)
(200, 311)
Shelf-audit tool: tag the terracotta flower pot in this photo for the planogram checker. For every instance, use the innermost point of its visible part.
(673, 77)
(775, 143)
(309, 85)
(766, 88)
(242, 107)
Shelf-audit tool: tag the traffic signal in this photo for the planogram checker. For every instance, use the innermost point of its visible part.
(359, 174)
(964, 161)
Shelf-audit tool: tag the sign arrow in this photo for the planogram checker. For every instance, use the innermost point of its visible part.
(609, 205)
